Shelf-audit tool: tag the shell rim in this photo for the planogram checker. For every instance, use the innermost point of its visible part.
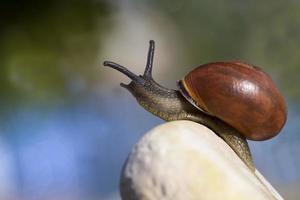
(186, 95)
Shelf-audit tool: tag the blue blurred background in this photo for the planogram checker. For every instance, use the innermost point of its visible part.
(66, 126)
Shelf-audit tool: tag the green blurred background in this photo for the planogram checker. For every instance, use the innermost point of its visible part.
(66, 126)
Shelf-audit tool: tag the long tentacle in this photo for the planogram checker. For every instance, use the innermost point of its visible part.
(125, 71)
(149, 65)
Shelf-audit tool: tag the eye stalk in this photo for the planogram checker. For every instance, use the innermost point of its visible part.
(125, 71)
(149, 65)
(138, 79)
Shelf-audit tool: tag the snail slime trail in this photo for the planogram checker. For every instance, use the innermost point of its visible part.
(236, 100)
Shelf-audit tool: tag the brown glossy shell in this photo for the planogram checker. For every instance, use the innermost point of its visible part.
(241, 95)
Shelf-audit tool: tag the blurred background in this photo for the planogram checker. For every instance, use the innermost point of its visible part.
(66, 126)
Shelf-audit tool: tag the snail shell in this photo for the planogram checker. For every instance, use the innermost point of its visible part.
(239, 94)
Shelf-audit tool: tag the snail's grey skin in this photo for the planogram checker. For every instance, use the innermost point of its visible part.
(170, 105)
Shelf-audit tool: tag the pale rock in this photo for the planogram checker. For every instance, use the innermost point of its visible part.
(183, 160)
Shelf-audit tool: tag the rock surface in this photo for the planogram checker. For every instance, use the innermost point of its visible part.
(185, 160)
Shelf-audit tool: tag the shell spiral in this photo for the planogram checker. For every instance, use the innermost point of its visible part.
(239, 94)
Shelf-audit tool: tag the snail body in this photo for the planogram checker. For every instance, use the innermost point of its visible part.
(234, 99)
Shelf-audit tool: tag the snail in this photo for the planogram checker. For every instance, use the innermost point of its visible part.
(238, 101)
